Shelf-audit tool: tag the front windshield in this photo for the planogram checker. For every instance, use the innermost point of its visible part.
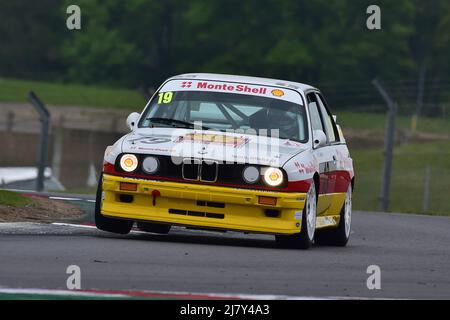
(220, 111)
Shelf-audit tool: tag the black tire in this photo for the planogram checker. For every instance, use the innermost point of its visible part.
(154, 227)
(339, 236)
(109, 224)
(302, 240)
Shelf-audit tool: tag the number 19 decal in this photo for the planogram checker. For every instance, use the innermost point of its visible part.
(165, 97)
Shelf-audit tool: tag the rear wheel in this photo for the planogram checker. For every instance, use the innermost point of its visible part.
(338, 236)
(304, 239)
(109, 224)
(154, 227)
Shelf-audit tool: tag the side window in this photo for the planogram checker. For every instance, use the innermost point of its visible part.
(331, 129)
(314, 113)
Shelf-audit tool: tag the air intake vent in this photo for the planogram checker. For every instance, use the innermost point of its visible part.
(210, 204)
(197, 214)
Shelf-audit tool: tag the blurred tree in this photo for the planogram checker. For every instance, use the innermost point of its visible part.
(31, 34)
(135, 42)
(319, 42)
(298, 40)
(122, 42)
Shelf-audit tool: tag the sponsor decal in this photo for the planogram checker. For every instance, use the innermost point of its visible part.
(231, 87)
(287, 93)
(277, 92)
(150, 140)
(302, 168)
(155, 149)
(213, 139)
(295, 144)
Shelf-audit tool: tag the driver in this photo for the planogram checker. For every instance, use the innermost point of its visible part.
(285, 121)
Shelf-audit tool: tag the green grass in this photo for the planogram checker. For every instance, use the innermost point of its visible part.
(70, 94)
(8, 198)
(375, 122)
(408, 175)
(408, 168)
(12, 90)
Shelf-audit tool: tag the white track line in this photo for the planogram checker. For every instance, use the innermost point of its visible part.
(59, 292)
(86, 226)
(141, 294)
(66, 199)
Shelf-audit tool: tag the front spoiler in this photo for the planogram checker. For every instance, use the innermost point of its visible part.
(201, 206)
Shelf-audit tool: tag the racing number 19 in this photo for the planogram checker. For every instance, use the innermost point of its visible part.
(165, 97)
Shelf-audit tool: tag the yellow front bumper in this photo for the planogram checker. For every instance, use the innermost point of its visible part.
(197, 205)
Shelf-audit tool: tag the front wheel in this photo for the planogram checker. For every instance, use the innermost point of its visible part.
(338, 236)
(109, 224)
(304, 239)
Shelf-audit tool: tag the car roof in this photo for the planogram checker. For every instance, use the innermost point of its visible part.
(246, 79)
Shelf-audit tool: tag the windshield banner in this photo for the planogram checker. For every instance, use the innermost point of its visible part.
(233, 87)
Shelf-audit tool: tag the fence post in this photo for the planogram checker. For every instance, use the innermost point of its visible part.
(10, 121)
(58, 146)
(389, 140)
(114, 124)
(426, 190)
(43, 150)
(147, 93)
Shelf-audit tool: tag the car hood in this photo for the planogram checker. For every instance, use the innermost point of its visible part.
(211, 145)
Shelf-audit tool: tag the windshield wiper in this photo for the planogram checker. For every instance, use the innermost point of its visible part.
(177, 123)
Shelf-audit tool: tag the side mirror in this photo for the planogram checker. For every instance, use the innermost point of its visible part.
(334, 118)
(132, 120)
(320, 139)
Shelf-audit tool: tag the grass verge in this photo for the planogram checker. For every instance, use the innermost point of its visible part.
(408, 178)
(70, 94)
(375, 122)
(12, 199)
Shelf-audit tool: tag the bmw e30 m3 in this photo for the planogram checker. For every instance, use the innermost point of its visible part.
(226, 152)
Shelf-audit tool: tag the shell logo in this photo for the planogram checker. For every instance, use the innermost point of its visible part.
(274, 176)
(277, 93)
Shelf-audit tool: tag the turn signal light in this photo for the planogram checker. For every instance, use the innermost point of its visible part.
(270, 201)
(126, 186)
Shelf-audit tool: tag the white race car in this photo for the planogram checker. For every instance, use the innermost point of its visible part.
(227, 152)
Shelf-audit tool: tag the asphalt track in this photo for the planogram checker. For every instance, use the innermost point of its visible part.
(412, 251)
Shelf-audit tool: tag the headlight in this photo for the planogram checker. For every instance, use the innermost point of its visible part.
(250, 174)
(150, 165)
(273, 177)
(129, 162)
